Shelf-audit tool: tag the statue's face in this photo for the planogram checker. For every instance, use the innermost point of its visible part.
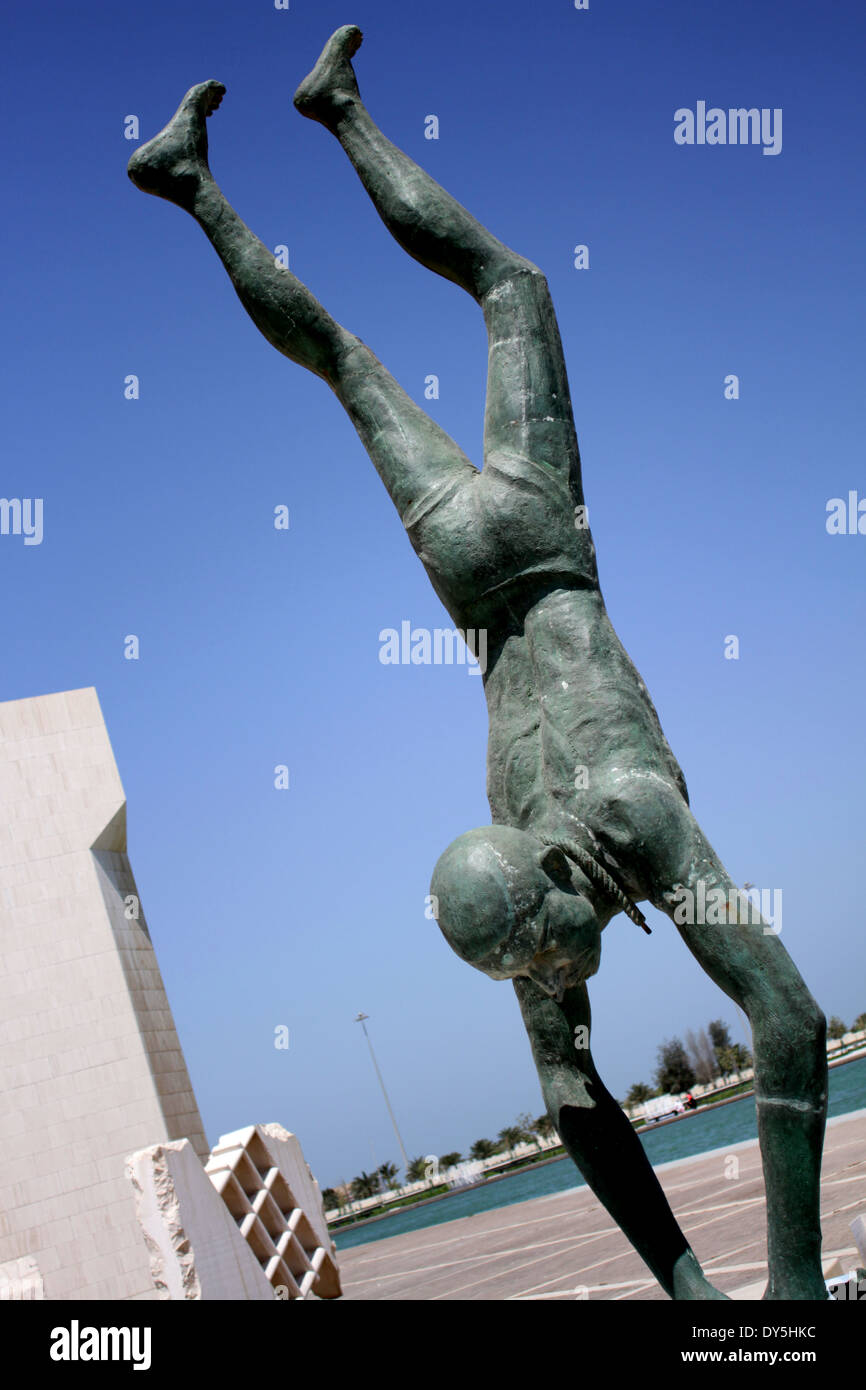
(557, 942)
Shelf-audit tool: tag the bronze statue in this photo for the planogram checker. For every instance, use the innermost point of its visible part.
(508, 552)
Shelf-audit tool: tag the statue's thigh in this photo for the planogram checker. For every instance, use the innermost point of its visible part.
(528, 403)
(736, 938)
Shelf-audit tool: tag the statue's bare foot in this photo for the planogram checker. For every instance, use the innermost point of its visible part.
(172, 163)
(331, 85)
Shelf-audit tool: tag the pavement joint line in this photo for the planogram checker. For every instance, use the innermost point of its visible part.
(514, 1268)
(565, 1293)
(597, 1265)
(494, 1230)
(846, 1253)
(632, 1293)
(558, 1278)
(702, 1225)
(738, 1250)
(492, 1255)
(574, 1292)
(722, 1206)
(840, 1182)
(712, 1179)
(837, 1211)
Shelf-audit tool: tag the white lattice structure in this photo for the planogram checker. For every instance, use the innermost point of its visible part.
(249, 1225)
(261, 1176)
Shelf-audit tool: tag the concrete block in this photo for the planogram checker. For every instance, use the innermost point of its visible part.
(21, 1280)
(195, 1248)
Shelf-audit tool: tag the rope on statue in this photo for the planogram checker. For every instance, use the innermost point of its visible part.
(601, 877)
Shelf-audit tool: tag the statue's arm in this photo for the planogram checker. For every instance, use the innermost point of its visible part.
(600, 1139)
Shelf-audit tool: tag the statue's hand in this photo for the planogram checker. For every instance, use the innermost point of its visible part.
(690, 1282)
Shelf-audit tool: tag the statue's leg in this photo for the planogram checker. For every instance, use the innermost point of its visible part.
(528, 404)
(745, 957)
(600, 1139)
(412, 454)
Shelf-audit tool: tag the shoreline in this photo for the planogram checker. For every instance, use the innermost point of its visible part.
(560, 1155)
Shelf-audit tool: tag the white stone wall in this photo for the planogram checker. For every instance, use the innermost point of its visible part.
(90, 1063)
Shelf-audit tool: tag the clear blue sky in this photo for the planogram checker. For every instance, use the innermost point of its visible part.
(260, 647)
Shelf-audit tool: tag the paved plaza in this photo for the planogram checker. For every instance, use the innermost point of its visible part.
(565, 1246)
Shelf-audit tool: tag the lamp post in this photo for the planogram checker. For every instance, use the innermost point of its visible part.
(361, 1018)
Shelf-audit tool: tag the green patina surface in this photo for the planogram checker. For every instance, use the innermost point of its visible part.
(589, 807)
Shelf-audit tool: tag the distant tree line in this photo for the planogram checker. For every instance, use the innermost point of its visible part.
(836, 1028)
(384, 1178)
(706, 1055)
(703, 1057)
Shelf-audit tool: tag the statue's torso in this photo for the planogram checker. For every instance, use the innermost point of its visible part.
(576, 747)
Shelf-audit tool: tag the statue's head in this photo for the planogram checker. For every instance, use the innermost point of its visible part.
(510, 905)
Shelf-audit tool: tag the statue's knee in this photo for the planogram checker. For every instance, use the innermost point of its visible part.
(814, 1023)
(805, 1020)
(510, 267)
(801, 1026)
(537, 280)
(351, 361)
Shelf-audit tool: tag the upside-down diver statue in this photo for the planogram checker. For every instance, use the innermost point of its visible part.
(527, 897)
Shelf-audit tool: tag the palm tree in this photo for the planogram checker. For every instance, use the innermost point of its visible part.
(367, 1185)
(526, 1123)
(388, 1172)
(511, 1135)
(448, 1160)
(836, 1028)
(482, 1148)
(417, 1170)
